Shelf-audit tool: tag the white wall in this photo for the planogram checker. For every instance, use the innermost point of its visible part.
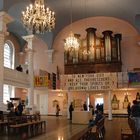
(41, 101)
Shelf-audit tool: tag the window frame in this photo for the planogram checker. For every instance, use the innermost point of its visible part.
(9, 55)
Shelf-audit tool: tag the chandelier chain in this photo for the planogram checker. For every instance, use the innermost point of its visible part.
(71, 42)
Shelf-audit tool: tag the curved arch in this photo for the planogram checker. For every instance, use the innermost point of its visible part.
(9, 54)
(101, 23)
(129, 35)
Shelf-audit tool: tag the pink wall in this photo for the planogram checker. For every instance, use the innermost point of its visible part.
(41, 57)
(120, 94)
(62, 101)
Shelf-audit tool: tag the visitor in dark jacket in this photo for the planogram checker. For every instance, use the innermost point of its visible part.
(20, 108)
(99, 116)
(135, 109)
(71, 108)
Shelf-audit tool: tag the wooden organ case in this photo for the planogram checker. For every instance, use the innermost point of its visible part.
(95, 54)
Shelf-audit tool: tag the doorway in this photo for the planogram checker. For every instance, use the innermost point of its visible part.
(99, 101)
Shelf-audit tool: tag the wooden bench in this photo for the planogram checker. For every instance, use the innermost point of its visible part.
(3, 126)
(3, 123)
(24, 124)
(82, 135)
(98, 130)
(129, 131)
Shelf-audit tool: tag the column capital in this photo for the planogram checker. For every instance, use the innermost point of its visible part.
(4, 20)
(50, 55)
(29, 50)
(29, 39)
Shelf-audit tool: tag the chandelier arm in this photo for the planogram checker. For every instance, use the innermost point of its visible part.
(38, 18)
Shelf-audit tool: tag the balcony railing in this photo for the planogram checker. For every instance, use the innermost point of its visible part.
(16, 78)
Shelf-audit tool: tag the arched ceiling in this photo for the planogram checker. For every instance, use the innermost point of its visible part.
(128, 10)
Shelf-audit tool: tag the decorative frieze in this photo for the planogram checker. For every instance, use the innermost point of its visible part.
(16, 78)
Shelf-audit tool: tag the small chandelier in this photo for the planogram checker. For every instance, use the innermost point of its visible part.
(37, 18)
(71, 42)
(86, 52)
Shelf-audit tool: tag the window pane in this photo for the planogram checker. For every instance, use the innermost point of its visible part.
(6, 93)
(8, 56)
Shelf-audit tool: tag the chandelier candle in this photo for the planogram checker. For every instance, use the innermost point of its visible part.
(37, 18)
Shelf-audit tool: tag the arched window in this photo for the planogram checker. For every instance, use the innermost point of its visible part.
(9, 55)
(8, 92)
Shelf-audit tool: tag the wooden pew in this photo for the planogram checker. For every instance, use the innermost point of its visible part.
(98, 130)
(129, 131)
(31, 125)
(82, 135)
(3, 123)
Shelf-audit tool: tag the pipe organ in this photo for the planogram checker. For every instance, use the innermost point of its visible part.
(95, 54)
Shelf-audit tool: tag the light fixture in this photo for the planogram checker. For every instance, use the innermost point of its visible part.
(37, 18)
(71, 42)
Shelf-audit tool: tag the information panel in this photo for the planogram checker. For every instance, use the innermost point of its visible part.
(99, 81)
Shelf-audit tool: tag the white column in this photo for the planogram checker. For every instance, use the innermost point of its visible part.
(31, 75)
(1, 70)
(109, 106)
(4, 19)
(21, 59)
(50, 56)
(87, 101)
(30, 53)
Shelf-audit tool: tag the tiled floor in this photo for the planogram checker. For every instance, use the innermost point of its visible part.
(60, 128)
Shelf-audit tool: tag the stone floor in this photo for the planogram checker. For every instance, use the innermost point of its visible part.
(60, 128)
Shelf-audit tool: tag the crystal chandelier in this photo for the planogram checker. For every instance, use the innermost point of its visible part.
(71, 42)
(37, 18)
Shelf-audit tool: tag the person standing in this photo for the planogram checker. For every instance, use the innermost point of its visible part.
(135, 109)
(9, 105)
(99, 115)
(91, 108)
(71, 108)
(20, 108)
(129, 109)
(85, 106)
(57, 110)
(12, 113)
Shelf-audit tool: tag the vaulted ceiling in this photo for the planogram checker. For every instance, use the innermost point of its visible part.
(128, 10)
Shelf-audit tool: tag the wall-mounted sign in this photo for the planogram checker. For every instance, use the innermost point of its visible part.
(41, 81)
(82, 82)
